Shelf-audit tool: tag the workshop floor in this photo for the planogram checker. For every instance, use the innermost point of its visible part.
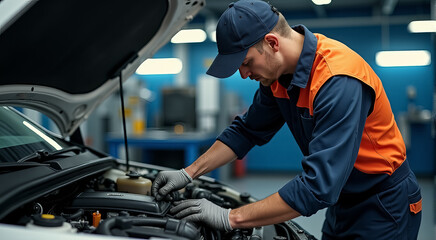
(263, 185)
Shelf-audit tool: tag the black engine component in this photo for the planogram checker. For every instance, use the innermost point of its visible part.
(98, 208)
(141, 227)
(120, 201)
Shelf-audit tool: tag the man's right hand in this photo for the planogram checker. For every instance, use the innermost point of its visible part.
(168, 181)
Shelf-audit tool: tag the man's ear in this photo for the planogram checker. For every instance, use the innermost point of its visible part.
(272, 41)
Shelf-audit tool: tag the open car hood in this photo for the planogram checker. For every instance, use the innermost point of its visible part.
(63, 58)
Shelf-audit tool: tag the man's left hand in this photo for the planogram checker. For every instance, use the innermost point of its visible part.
(202, 210)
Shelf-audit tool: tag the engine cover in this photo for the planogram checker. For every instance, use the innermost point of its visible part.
(121, 201)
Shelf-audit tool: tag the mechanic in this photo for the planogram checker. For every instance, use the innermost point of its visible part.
(334, 104)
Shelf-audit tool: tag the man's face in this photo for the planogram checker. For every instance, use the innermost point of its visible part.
(262, 67)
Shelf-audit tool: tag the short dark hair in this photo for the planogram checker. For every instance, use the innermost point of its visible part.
(282, 28)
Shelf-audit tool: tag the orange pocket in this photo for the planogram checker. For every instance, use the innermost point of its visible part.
(416, 207)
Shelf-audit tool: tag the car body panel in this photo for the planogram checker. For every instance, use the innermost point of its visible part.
(63, 58)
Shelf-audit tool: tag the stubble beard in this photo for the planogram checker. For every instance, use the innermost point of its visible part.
(274, 67)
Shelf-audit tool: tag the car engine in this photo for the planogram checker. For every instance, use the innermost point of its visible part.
(118, 204)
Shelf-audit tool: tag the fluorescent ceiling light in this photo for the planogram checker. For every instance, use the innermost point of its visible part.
(212, 36)
(189, 36)
(321, 2)
(160, 66)
(422, 26)
(403, 58)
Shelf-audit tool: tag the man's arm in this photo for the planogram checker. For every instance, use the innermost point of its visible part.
(270, 210)
(256, 126)
(216, 156)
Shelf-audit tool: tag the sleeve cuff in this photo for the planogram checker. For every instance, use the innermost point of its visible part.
(300, 198)
(239, 144)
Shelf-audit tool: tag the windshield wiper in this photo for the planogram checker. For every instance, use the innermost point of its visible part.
(13, 166)
(43, 155)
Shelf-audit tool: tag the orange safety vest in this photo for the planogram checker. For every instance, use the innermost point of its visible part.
(382, 149)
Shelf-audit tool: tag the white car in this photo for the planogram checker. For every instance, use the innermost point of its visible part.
(63, 58)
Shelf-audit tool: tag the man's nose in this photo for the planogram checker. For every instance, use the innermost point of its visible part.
(244, 71)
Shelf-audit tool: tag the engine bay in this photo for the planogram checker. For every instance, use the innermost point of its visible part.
(114, 203)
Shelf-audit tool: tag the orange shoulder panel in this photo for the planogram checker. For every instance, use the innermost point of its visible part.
(382, 148)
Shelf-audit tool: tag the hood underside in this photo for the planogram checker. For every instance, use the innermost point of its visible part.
(63, 58)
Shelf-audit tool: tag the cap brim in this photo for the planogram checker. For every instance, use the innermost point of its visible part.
(225, 65)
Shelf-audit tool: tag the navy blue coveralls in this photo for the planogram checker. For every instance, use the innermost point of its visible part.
(360, 205)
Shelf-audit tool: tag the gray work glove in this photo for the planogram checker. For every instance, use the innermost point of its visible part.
(202, 210)
(168, 181)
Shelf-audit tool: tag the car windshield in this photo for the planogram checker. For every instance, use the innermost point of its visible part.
(20, 137)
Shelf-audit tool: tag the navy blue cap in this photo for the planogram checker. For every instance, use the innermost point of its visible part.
(241, 26)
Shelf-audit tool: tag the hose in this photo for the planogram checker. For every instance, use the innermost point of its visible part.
(75, 215)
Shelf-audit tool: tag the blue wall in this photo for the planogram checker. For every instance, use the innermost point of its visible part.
(282, 153)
